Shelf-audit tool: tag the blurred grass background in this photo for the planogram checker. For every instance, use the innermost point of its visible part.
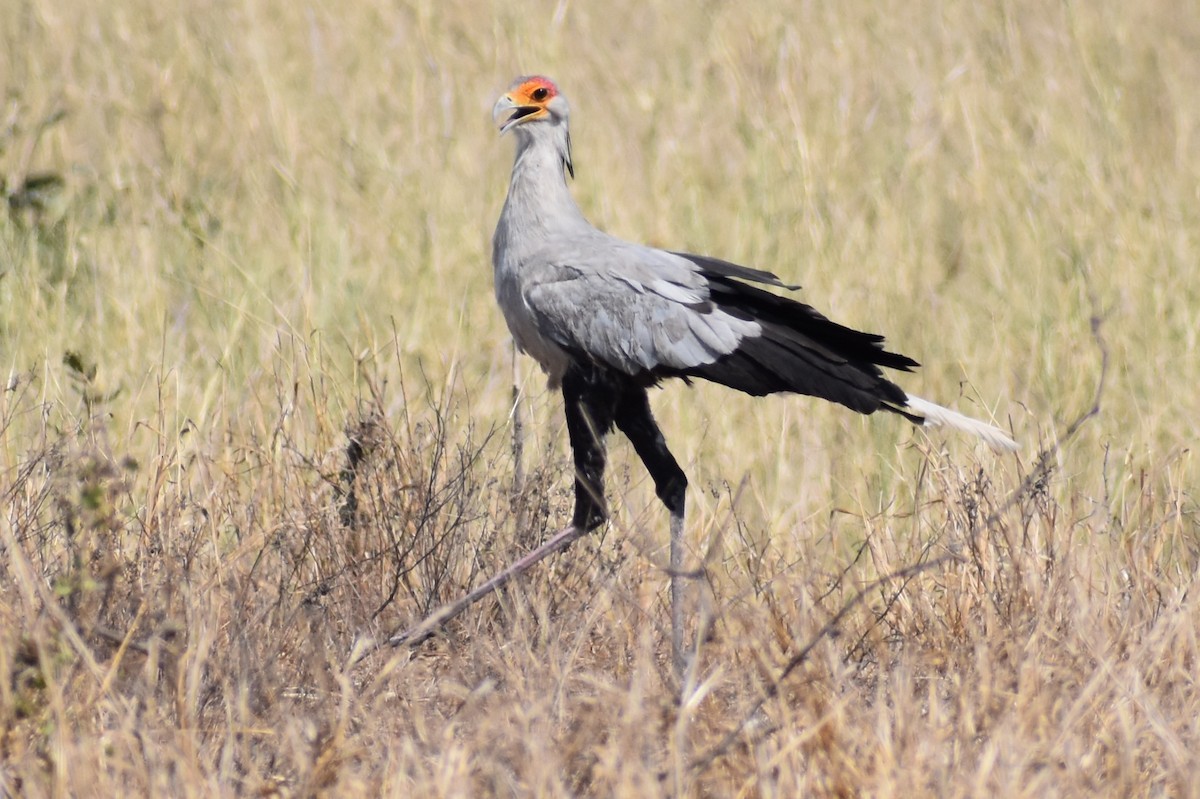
(240, 235)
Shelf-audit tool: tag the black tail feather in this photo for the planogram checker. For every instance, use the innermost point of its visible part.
(800, 350)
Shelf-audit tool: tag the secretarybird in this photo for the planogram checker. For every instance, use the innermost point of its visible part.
(607, 319)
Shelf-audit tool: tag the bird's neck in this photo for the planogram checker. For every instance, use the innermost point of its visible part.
(538, 197)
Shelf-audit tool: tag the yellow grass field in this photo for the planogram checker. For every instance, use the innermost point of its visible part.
(256, 403)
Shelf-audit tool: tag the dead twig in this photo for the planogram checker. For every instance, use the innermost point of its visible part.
(830, 627)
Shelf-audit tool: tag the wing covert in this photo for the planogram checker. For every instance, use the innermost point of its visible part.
(632, 325)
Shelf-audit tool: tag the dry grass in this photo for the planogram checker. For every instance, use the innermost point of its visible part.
(257, 403)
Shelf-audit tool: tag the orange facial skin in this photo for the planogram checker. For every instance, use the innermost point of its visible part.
(527, 100)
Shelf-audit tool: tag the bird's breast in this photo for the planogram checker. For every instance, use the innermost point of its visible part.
(524, 327)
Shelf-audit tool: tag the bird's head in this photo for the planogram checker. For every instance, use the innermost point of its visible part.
(529, 100)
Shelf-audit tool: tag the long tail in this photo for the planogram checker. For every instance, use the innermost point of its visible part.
(801, 351)
(935, 415)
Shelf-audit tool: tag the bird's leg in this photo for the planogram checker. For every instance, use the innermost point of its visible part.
(635, 420)
(678, 658)
(421, 632)
(589, 397)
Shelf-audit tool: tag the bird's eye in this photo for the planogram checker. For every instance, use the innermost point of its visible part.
(540, 93)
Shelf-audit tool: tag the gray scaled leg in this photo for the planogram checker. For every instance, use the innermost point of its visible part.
(634, 419)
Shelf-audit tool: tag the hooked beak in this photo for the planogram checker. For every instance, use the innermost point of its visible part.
(504, 105)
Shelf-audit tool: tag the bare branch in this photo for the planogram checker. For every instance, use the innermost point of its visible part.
(830, 627)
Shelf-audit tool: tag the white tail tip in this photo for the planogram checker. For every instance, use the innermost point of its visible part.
(935, 416)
